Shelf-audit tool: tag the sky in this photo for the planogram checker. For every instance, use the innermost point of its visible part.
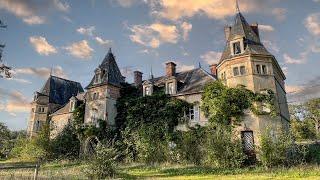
(70, 38)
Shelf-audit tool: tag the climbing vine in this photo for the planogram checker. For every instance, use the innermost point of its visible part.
(226, 106)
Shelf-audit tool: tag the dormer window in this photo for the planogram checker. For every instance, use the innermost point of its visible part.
(171, 88)
(97, 78)
(236, 48)
(72, 106)
(147, 91)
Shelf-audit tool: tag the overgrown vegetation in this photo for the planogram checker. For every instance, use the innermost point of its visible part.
(146, 132)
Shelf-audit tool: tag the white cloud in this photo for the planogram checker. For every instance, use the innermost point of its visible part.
(127, 3)
(270, 45)
(211, 57)
(41, 72)
(217, 9)
(15, 102)
(266, 28)
(62, 6)
(89, 31)
(42, 46)
(28, 10)
(312, 23)
(80, 49)
(290, 60)
(153, 35)
(103, 42)
(280, 13)
(186, 28)
(293, 89)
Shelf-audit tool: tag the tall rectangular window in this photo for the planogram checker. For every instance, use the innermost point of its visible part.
(147, 91)
(171, 88)
(242, 70)
(264, 69)
(236, 48)
(194, 113)
(258, 69)
(236, 71)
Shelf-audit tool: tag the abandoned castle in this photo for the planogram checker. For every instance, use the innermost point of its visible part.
(244, 61)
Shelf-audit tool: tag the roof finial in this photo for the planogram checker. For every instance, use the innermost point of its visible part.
(151, 73)
(110, 51)
(237, 7)
(51, 70)
(199, 64)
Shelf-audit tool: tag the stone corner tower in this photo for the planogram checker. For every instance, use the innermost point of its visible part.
(245, 61)
(103, 91)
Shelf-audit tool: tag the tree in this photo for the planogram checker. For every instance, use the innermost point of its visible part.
(4, 140)
(4, 70)
(313, 109)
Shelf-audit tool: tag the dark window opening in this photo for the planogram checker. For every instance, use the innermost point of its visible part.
(258, 69)
(242, 70)
(236, 71)
(236, 48)
(264, 69)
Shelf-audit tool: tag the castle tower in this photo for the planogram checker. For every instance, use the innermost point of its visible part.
(103, 91)
(245, 61)
(55, 93)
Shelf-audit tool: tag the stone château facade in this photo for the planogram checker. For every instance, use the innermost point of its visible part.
(245, 61)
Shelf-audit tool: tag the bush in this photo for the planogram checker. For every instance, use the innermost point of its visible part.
(103, 164)
(224, 150)
(313, 153)
(278, 149)
(189, 146)
(66, 145)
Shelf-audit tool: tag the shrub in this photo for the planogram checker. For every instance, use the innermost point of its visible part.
(103, 163)
(189, 146)
(66, 145)
(277, 149)
(224, 150)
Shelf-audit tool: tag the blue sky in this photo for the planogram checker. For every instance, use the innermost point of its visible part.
(72, 38)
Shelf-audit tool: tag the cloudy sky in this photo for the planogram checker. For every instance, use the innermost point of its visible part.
(71, 38)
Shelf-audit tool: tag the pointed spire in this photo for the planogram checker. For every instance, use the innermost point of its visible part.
(199, 64)
(110, 51)
(51, 70)
(237, 7)
(151, 73)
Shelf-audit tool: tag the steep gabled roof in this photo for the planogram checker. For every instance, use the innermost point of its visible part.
(192, 81)
(241, 28)
(110, 72)
(60, 90)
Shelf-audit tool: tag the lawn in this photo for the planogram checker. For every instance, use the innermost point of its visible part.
(74, 170)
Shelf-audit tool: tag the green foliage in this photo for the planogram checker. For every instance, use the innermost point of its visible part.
(303, 130)
(33, 149)
(224, 150)
(277, 148)
(146, 125)
(190, 146)
(223, 105)
(4, 140)
(65, 145)
(103, 164)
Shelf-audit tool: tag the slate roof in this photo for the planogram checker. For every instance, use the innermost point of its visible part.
(65, 108)
(243, 29)
(192, 81)
(60, 90)
(110, 72)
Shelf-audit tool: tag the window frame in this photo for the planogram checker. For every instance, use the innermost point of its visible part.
(236, 71)
(258, 68)
(244, 70)
(264, 69)
(234, 45)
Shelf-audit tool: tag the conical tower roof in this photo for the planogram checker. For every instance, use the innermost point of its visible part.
(109, 72)
(251, 39)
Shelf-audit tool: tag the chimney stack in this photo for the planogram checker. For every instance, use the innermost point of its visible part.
(255, 28)
(137, 78)
(170, 69)
(213, 69)
(227, 31)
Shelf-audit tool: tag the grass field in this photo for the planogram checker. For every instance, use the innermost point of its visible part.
(74, 170)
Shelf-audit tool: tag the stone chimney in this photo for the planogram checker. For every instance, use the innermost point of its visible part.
(170, 69)
(213, 69)
(137, 78)
(227, 31)
(255, 28)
